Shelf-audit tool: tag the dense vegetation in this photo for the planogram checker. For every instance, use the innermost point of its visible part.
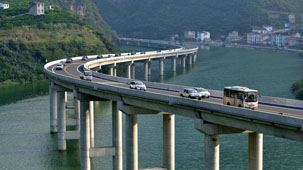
(27, 42)
(297, 89)
(163, 18)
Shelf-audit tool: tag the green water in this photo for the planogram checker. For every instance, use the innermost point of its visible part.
(25, 142)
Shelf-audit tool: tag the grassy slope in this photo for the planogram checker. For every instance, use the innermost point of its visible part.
(27, 41)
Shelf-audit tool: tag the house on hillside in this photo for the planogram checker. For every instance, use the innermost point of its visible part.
(291, 41)
(48, 7)
(190, 34)
(260, 30)
(268, 27)
(4, 5)
(233, 36)
(257, 38)
(36, 8)
(203, 36)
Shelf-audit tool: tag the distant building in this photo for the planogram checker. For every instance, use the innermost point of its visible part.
(260, 30)
(203, 36)
(190, 34)
(279, 40)
(36, 8)
(291, 41)
(257, 38)
(233, 36)
(268, 27)
(48, 7)
(4, 5)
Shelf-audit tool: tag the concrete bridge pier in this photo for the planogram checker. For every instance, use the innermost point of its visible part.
(149, 68)
(61, 119)
(173, 64)
(161, 65)
(146, 70)
(211, 141)
(169, 141)
(91, 122)
(133, 71)
(128, 70)
(85, 134)
(117, 136)
(255, 151)
(53, 108)
(111, 70)
(195, 58)
(131, 142)
(183, 61)
(190, 59)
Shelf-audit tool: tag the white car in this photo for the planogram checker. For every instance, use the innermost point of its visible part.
(203, 92)
(190, 93)
(59, 66)
(137, 85)
(87, 75)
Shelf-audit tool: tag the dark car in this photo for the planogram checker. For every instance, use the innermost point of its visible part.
(84, 58)
(69, 60)
(109, 56)
(99, 56)
(117, 54)
(132, 53)
(143, 52)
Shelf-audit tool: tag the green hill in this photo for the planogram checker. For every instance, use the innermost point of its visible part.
(163, 18)
(28, 41)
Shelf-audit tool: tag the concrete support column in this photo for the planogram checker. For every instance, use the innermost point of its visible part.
(131, 142)
(61, 121)
(183, 61)
(195, 58)
(149, 68)
(91, 121)
(128, 70)
(255, 151)
(169, 141)
(115, 71)
(145, 70)
(111, 71)
(190, 61)
(117, 136)
(173, 64)
(161, 65)
(77, 113)
(133, 71)
(180, 60)
(53, 109)
(85, 135)
(211, 152)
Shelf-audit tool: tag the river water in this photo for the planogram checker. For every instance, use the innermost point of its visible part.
(25, 142)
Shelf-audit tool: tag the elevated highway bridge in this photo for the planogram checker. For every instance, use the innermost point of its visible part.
(275, 116)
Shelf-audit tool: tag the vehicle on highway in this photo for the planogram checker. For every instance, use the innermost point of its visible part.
(132, 53)
(117, 54)
(87, 75)
(190, 93)
(69, 60)
(99, 56)
(62, 62)
(109, 56)
(143, 52)
(59, 66)
(204, 93)
(241, 97)
(84, 58)
(137, 85)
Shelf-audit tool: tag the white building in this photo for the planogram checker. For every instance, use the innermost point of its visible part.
(190, 34)
(233, 36)
(203, 36)
(36, 8)
(257, 38)
(268, 27)
(4, 5)
(260, 30)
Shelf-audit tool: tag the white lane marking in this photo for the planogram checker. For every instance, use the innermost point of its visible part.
(53, 69)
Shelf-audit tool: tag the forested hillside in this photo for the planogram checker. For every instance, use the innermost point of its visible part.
(162, 18)
(27, 41)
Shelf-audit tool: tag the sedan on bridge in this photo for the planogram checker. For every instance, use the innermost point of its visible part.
(138, 85)
(87, 75)
(190, 93)
(203, 92)
(59, 66)
(84, 58)
(69, 60)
